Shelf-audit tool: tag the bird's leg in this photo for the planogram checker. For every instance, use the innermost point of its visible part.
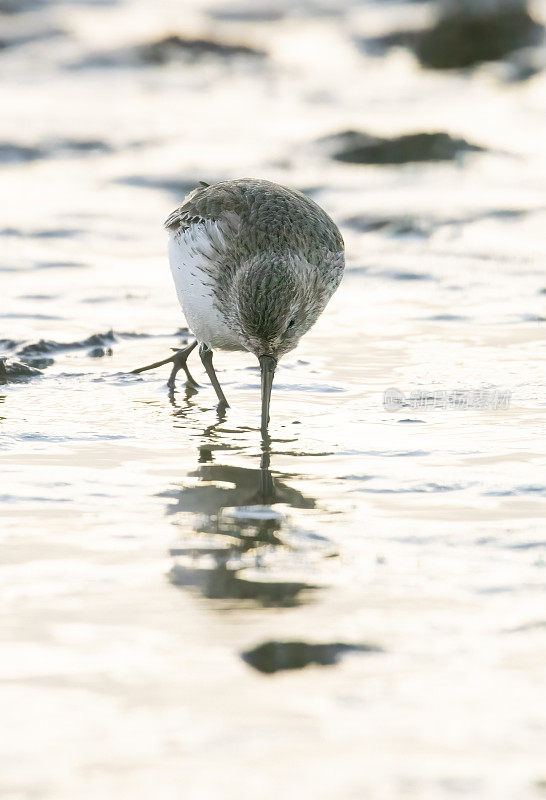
(178, 361)
(206, 357)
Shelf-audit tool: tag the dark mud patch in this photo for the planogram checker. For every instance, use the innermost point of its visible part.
(168, 50)
(538, 624)
(531, 318)
(464, 39)
(100, 352)
(394, 275)
(176, 48)
(39, 355)
(12, 371)
(424, 226)
(12, 153)
(77, 146)
(8, 344)
(48, 346)
(38, 296)
(273, 656)
(355, 147)
(59, 264)
(39, 362)
(447, 318)
(403, 225)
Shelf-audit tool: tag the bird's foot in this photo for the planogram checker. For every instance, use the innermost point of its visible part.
(178, 360)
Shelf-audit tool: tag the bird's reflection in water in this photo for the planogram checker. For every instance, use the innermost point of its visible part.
(241, 547)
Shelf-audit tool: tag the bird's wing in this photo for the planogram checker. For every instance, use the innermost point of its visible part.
(206, 204)
(270, 217)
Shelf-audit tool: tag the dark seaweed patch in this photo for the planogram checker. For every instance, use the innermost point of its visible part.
(167, 50)
(403, 276)
(100, 352)
(49, 346)
(275, 656)
(58, 265)
(8, 344)
(447, 318)
(174, 48)
(355, 147)
(40, 362)
(464, 38)
(38, 354)
(54, 233)
(11, 370)
(15, 153)
(11, 153)
(424, 226)
(403, 225)
(79, 146)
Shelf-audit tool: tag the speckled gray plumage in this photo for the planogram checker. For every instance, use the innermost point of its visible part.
(276, 263)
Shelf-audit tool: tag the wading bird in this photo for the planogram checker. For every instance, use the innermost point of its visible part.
(254, 265)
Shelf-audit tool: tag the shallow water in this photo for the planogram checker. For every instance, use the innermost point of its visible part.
(150, 545)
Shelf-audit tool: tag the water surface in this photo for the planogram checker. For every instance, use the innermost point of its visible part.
(150, 544)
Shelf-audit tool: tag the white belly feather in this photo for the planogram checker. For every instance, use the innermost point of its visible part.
(191, 254)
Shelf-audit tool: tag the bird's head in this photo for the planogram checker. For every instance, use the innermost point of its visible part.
(276, 303)
(277, 300)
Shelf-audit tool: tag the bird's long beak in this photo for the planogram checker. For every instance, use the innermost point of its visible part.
(267, 367)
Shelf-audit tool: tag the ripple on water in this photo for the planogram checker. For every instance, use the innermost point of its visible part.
(518, 491)
(427, 488)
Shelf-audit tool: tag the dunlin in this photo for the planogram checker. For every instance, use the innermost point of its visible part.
(254, 265)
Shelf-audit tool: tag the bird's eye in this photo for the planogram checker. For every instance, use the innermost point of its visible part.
(291, 324)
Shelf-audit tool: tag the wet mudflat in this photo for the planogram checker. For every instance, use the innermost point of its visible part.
(354, 609)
